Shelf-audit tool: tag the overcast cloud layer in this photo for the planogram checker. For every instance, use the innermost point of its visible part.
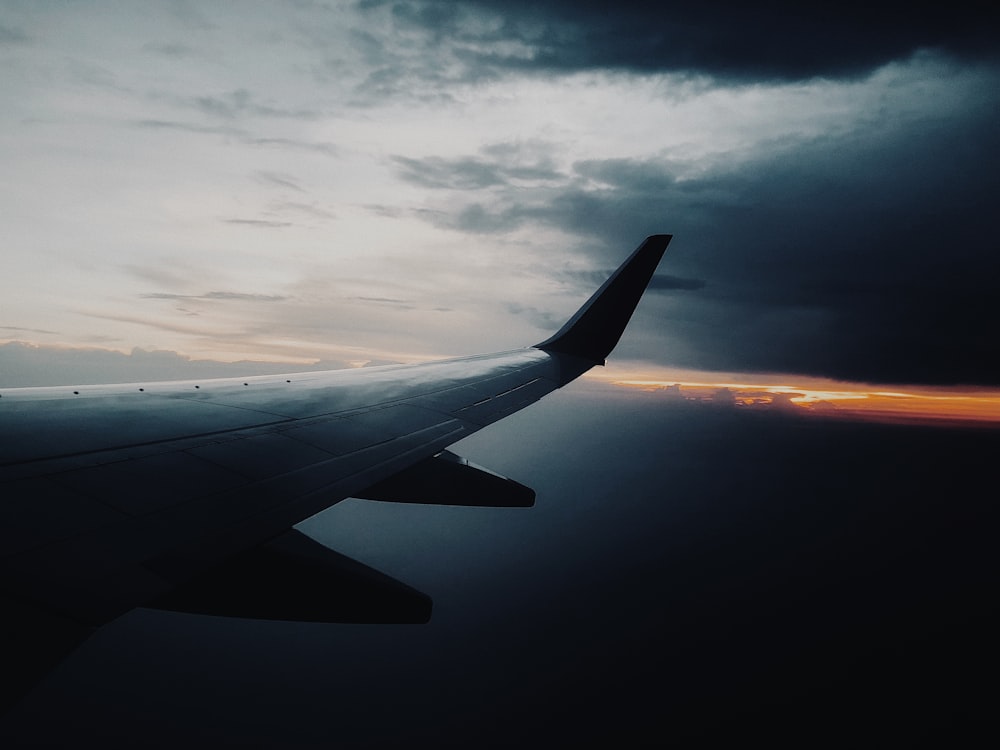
(779, 40)
(379, 181)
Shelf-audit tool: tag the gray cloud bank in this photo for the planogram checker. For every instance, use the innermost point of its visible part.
(864, 254)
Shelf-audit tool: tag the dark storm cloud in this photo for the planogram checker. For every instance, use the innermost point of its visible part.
(780, 40)
(840, 260)
(866, 255)
(589, 280)
(666, 282)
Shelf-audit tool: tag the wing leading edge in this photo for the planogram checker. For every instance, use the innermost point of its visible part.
(182, 494)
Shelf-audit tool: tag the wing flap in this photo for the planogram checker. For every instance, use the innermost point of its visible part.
(448, 479)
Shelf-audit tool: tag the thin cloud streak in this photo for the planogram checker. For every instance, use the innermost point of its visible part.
(263, 223)
(241, 296)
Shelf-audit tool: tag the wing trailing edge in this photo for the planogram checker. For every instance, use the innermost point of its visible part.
(597, 326)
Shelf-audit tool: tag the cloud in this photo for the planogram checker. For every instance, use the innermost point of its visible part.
(174, 50)
(278, 179)
(402, 57)
(12, 36)
(731, 40)
(865, 253)
(166, 273)
(666, 282)
(327, 149)
(240, 134)
(856, 258)
(264, 223)
(454, 174)
(544, 320)
(23, 365)
(241, 296)
(498, 164)
(590, 280)
(401, 304)
(302, 209)
(722, 397)
(19, 329)
(189, 127)
(241, 103)
(631, 207)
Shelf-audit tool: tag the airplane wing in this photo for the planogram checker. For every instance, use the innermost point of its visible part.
(183, 495)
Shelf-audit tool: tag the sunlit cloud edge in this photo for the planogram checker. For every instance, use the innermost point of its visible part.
(813, 396)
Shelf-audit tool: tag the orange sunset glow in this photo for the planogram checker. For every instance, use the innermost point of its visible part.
(940, 405)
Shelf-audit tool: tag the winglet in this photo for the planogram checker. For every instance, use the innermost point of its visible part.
(596, 327)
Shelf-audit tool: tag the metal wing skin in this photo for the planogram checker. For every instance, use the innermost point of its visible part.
(183, 494)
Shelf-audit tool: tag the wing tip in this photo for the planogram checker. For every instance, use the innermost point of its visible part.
(594, 331)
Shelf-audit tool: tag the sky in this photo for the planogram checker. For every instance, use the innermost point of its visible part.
(348, 183)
